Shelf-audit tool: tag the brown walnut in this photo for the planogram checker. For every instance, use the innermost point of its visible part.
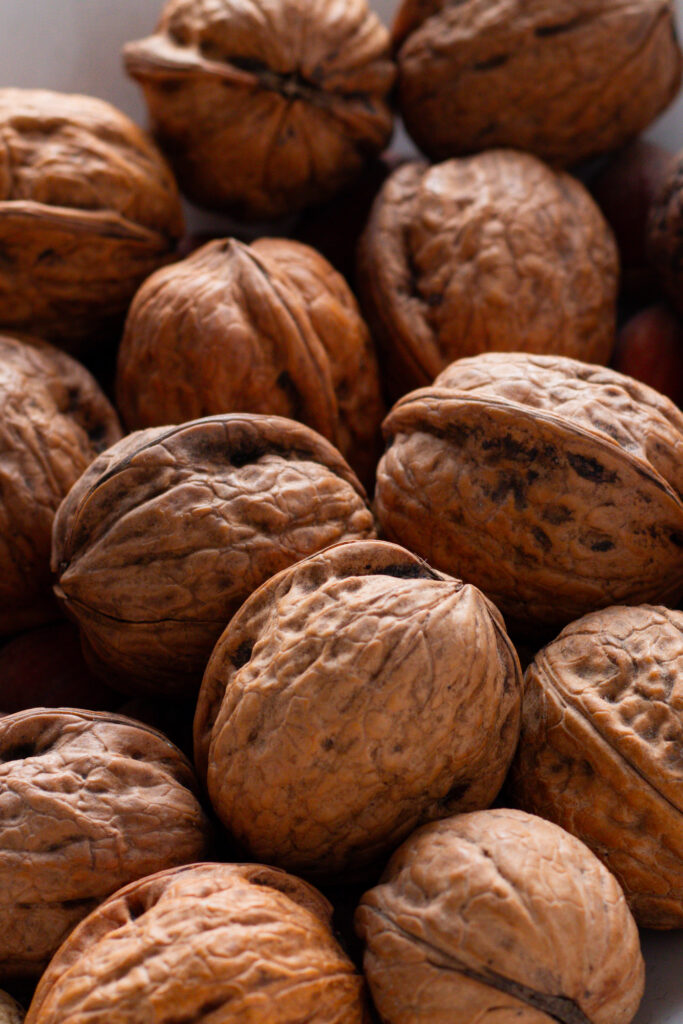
(218, 942)
(601, 750)
(262, 328)
(265, 108)
(88, 209)
(499, 915)
(566, 80)
(167, 533)
(352, 697)
(89, 801)
(10, 1011)
(490, 252)
(54, 419)
(665, 233)
(553, 485)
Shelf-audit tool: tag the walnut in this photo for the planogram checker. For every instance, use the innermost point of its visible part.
(567, 80)
(262, 328)
(499, 915)
(352, 697)
(53, 421)
(10, 1011)
(167, 533)
(265, 108)
(665, 233)
(553, 485)
(89, 801)
(208, 942)
(88, 208)
(601, 749)
(490, 252)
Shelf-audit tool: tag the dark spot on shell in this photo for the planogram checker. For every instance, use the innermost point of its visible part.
(590, 469)
(602, 545)
(492, 63)
(243, 653)
(557, 514)
(407, 572)
(542, 538)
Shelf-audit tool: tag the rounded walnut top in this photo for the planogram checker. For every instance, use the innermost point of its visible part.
(220, 942)
(601, 751)
(494, 252)
(567, 80)
(499, 914)
(266, 107)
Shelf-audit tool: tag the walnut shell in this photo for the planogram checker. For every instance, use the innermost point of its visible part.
(352, 697)
(88, 209)
(568, 80)
(265, 108)
(665, 233)
(10, 1011)
(262, 328)
(490, 252)
(499, 915)
(554, 486)
(218, 942)
(158, 544)
(54, 419)
(601, 751)
(89, 801)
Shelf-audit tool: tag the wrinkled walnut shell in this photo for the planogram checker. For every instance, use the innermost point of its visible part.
(352, 697)
(600, 750)
(89, 801)
(665, 233)
(265, 108)
(554, 486)
(54, 419)
(219, 942)
(263, 328)
(88, 209)
(490, 252)
(499, 915)
(158, 544)
(10, 1011)
(566, 80)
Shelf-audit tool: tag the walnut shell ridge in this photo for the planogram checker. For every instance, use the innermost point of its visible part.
(89, 801)
(265, 108)
(553, 485)
(54, 419)
(219, 942)
(567, 81)
(160, 541)
(499, 915)
(601, 749)
(352, 697)
(262, 328)
(489, 252)
(88, 209)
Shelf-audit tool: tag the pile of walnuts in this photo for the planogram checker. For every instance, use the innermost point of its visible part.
(281, 525)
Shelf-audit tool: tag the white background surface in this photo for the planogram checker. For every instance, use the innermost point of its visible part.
(75, 46)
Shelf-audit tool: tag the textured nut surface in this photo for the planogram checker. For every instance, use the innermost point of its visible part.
(165, 535)
(491, 252)
(567, 80)
(88, 208)
(266, 107)
(262, 328)
(218, 942)
(53, 421)
(498, 915)
(601, 751)
(352, 697)
(89, 801)
(553, 485)
(10, 1011)
(665, 233)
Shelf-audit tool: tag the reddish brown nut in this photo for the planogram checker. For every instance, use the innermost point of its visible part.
(262, 328)
(665, 233)
(266, 108)
(89, 801)
(45, 668)
(10, 1011)
(650, 348)
(554, 486)
(158, 544)
(53, 421)
(208, 942)
(498, 915)
(352, 697)
(490, 252)
(601, 749)
(88, 209)
(567, 80)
